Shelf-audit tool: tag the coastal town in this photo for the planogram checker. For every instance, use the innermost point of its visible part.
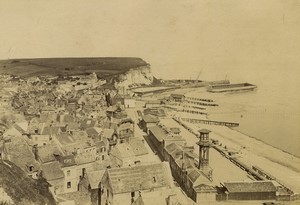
(134, 144)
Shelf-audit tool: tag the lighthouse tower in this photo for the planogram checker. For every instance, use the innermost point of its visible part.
(204, 146)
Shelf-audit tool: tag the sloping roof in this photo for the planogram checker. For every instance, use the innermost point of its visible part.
(67, 161)
(137, 146)
(158, 133)
(108, 133)
(194, 174)
(155, 111)
(73, 126)
(122, 150)
(46, 153)
(146, 177)
(86, 123)
(204, 188)
(101, 143)
(67, 118)
(65, 138)
(175, 129)
(94, 178)
(93, 130)
(52, 171)
(50, 130)
(150, 118)
(175, 137)
(84, 158)
(173, 147)
(253, 186)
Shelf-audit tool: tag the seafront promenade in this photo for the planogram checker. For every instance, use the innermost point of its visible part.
(252, 152)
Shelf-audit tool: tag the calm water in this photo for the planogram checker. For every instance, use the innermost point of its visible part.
(271, 113)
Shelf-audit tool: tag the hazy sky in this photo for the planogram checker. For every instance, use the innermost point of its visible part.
(178, 38)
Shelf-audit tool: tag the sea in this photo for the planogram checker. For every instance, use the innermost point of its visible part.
(271, 113)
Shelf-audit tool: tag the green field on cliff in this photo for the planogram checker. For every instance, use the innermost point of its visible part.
(103, 67)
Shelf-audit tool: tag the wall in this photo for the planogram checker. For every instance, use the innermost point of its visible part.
(72, 177)
(252, 196)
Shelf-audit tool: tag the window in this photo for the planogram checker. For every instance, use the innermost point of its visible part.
(102, 157)
(68, 185)
(154, 179)
(68, 172)
(133, 194)
(30, 168)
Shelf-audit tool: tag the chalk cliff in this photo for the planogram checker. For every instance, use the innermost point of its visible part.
(136, 76)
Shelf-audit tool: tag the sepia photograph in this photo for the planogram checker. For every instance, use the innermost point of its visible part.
(190, 102)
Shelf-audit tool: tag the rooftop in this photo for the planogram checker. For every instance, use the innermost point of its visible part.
(148, 118)
(253, 186)
(146, 177)
(52, 171)
(94, 178)
(67, 161)
(158, 133)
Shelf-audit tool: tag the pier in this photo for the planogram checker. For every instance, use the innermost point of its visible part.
(211, 122)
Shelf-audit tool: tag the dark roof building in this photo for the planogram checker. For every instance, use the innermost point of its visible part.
(253, 190)
(52, 171)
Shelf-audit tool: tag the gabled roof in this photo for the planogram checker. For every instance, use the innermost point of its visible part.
(150, 118)
(52, 171)
(95, 177)
(253, 186)
(146, 177)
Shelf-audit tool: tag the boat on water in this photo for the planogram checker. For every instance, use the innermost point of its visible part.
(231, 87)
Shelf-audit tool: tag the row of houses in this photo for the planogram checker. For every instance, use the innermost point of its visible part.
(171, 147)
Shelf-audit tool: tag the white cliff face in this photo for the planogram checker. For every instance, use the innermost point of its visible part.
(135, 76)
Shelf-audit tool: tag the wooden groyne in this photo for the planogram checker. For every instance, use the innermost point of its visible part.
(211, 122)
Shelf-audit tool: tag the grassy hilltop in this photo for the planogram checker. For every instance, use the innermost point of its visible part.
(23, 189)
(103, 67)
